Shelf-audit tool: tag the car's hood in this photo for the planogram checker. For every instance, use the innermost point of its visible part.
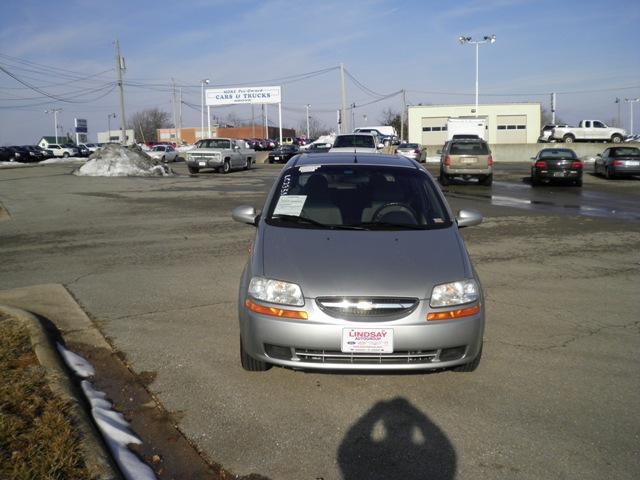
(363, 263)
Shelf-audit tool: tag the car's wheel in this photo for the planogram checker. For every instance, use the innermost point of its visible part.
(193, 169)
(248, 165)
(226, 167)
(487, 180)
(164, 159)
(568, 139)
(471, 366)
(616, 139)
(609, 173)
(249, 363)
(65, 155)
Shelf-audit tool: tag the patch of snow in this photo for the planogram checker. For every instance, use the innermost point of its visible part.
(185, 148)
(13, 164)
(113, 426)
(433, 159)
(55, 160)
(79, 365)
(118, 161)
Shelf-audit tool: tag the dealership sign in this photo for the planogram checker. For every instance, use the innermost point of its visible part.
(244, 95)
(81, 125)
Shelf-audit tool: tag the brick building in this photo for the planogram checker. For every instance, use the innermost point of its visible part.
(192, 134)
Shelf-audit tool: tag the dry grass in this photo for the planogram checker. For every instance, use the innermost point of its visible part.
(37, 439)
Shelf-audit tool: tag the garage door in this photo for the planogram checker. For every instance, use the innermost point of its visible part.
(511, 129)
(434, 130)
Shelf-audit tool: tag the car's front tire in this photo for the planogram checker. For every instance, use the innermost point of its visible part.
(471, 366)
(616, 139)
(193, 170)
(226, 167)
(65, 155)
(249, 363)
(568, 139)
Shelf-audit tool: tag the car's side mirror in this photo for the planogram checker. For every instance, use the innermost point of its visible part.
(245, 214)
(468, 218)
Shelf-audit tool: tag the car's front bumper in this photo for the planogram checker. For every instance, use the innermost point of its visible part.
(316, 343)
(204, 162)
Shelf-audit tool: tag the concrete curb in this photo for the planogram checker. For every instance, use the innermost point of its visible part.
(97, 457)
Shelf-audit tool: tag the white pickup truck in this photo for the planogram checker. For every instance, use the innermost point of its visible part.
(220, 154)
(589, 131)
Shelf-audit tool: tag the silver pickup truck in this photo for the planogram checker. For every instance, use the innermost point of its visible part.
(220, 154)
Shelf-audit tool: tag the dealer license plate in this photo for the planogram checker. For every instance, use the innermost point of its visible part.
(558, 174)
(367, 340)
(469, 160)
(276, 158)
(202, 164)
(633, 163)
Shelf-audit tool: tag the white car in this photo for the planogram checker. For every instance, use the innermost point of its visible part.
(92, 147)
(165, 153)
(63, 150)
(356, 143)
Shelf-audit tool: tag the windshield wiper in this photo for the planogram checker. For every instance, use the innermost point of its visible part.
(310, 221)
(390, 225)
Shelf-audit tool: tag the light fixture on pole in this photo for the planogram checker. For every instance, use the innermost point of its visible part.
(203, 82)
(109, 117)
(55, 119)
(486, 39)
(308, 105)
(631, 101)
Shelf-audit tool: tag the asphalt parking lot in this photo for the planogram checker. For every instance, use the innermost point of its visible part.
(156, 263)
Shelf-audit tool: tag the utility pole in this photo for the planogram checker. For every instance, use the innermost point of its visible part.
(174, 104)
(202, 84)
(180, 116)
(55, 120)
(553, 108)
(119, 68)
(353, 116)
(253, 122)
(343, 95)
(617, 100)
(490, 39)
(404, 108)
(109, 117)
(308, 105)
(266, 121)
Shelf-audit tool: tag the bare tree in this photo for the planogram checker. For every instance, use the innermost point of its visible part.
(147, 122)
(316, 127)
(545, 118)
(391, 117)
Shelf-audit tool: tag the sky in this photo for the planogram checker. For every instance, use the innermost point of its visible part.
(586, 51)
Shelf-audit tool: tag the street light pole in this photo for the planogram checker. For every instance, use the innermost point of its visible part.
(202, 84)
(486, 39)
(55, 119)
(308, 105)
(631, 101)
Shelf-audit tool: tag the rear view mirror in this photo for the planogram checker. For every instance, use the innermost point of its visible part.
(468, 218)
(245, 214)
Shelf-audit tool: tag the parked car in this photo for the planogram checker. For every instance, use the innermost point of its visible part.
(413, 151)
(318, 148)
(617, 162)
(21, 154)
(589, 131)
(332, 283)
(6, 155)
(556, 164)
(92, 147)
(220, 154)
(83, 151)
(65, 151)
(36, 153)
(385, 133)
(466, 158)
(546, 131)
(283, 153)
(356, 142)
(164, 153)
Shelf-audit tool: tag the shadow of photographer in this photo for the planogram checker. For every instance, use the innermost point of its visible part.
(395, 440)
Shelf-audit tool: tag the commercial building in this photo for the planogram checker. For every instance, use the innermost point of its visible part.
(505, 122)
(114, 136)
(192, 135)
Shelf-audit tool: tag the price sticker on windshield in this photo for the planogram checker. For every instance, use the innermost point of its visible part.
(290, 205)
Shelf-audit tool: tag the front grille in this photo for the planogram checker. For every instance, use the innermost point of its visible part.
(203, 156)
(341, 307)
(336, 357)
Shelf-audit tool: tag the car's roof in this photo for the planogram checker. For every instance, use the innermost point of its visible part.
(359, 158)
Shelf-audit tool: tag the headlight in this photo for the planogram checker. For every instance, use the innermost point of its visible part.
(275, 291)
(456, 293)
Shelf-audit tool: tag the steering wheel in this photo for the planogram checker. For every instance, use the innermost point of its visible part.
(393, 207)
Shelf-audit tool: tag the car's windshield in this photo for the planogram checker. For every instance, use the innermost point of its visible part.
(469, 148)
(356, 196)
(557, 153)
(625, 152)
(159, 148)
(215, 143)
(349, 141)
(408, 145)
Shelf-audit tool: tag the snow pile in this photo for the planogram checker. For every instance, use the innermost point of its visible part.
(185, 148)
(13, 164)
(55, 160)
(117, 161)
(112, 424)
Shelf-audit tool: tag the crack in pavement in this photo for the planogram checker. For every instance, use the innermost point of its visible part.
(172, 310)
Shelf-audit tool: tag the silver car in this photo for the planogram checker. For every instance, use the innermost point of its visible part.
(357, 263)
